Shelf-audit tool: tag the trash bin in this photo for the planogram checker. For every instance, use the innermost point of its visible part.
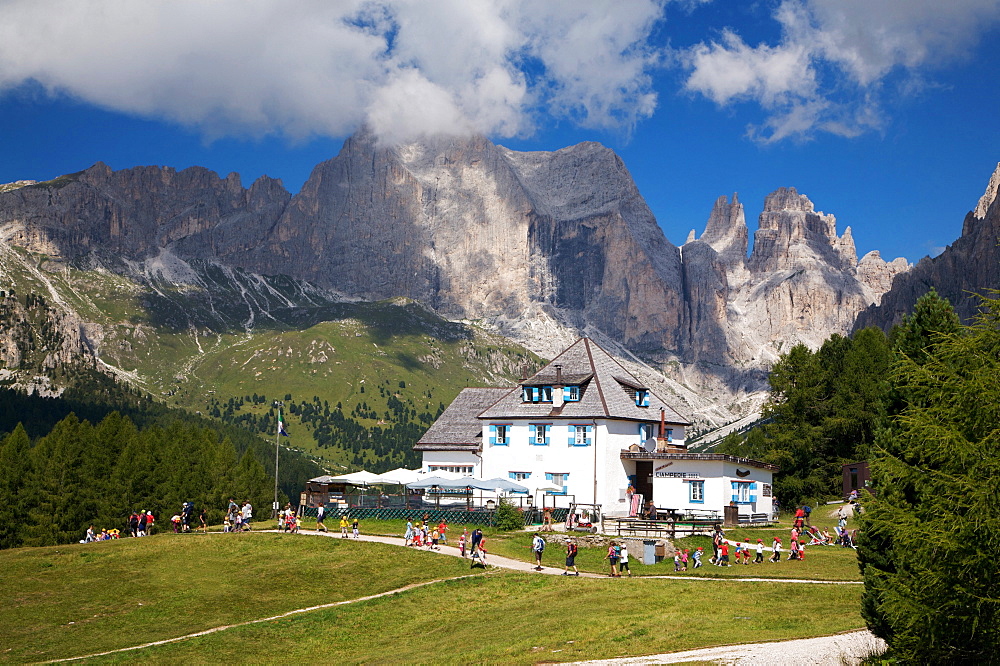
(731, 516)
(649, 551)
(659, 550)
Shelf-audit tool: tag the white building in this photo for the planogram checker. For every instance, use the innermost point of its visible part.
(584, 423)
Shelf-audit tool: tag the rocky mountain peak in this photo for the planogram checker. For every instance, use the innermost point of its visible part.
(989, 196)
(726, 230)
(793, 234)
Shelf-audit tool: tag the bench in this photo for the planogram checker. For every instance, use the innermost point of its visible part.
(754, 519)
(660, 528)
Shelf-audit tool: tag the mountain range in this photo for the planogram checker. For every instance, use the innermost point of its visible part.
(537, 247)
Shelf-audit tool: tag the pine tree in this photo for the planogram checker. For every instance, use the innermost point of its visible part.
(15, 471)
(930, 533)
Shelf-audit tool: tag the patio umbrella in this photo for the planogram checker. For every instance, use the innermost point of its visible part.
(399, 476)
(361, 478)
(497, 485)
(430, 482)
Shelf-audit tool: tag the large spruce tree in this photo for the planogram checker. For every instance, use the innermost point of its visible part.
(930, 534)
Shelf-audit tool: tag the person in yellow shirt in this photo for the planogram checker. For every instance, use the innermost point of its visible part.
(343, 527)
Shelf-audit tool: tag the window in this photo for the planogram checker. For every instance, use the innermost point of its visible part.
(744, 492)
(539, 434)
(499, 434)
(670, 434)
(519, 476)
(579, 435)
(536, 393)
(460, 469)
(558, 479)
(571, 393)
(697, 492)
(642, 397)
(645, 432)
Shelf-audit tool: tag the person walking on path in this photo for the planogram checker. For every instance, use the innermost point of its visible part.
(612, 558)
(623, 559)
(759, 557)
(697, 557)
(343, 526)
(571, 550)
(723, 560)
(477, 538)
(408, 535)
(775, 550)
(356, 529)
(320, 516)
(538, 547)
(247, 515)
(461, 545)
(203, 521)
(443, 531)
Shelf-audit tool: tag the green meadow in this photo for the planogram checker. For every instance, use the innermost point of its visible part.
(75, 600)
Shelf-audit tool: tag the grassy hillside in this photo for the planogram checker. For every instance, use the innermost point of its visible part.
(76, 600)
(360, 381)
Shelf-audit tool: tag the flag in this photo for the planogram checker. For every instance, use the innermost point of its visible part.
(281, 426)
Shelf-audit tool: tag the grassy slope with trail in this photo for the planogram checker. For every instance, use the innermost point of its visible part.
(86, 598)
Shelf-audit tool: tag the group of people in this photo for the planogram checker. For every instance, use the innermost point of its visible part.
(238, 517)
(474, 544)
(423, 534)
(105, 535)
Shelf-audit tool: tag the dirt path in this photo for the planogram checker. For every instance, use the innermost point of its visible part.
(836, 650)
(257, 621)
(518, 565)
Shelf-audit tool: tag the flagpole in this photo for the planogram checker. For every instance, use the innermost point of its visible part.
(277, 439)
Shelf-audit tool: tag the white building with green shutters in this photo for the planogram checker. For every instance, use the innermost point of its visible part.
(586, 425)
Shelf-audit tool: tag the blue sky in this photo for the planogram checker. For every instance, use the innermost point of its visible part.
(883, 112)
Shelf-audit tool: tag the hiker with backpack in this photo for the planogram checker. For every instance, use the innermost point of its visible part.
(571, 551)
(538, 547)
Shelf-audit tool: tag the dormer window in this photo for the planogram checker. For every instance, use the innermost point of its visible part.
(642, 398)
(536, 393)
(571, 393)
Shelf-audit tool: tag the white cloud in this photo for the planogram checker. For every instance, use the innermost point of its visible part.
(324, 67)
(835, 59)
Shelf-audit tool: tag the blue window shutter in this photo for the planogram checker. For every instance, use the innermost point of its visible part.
(753, 498)
(548, 477)
(545, 431)
(567, 394)
(534, 394)
(572, 435)
(512, 475)
(493, 435)
(753, 486)
(736, 498)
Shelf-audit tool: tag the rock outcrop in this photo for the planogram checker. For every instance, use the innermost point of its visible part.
(967, 268)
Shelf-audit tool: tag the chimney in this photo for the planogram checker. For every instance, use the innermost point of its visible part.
(524, 372)
(557, 389)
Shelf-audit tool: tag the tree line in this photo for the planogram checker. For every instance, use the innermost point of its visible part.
(80, 474)
(826, 407)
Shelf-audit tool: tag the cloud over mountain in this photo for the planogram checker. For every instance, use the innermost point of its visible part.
(323, 68)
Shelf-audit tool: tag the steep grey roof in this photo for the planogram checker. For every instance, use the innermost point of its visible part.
(609, 392)
(458, 428)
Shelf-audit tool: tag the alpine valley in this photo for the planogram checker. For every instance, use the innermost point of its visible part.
(400, 274)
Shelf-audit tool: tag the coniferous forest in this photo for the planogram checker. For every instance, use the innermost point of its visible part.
(102, 451)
